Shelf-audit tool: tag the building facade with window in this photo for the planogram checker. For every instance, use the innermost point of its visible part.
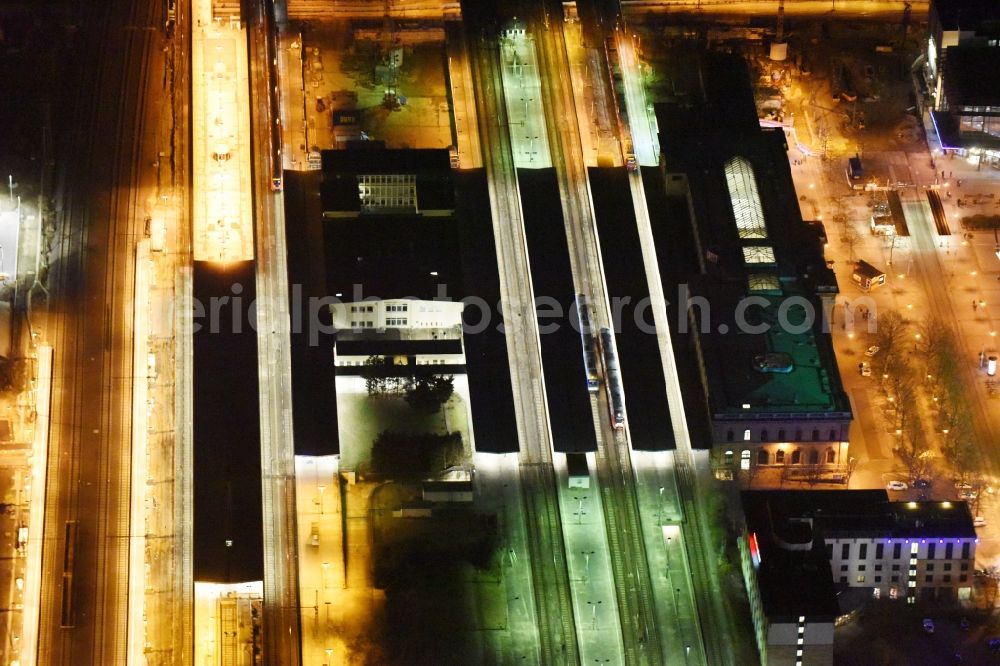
(755, 312)
(802, 550)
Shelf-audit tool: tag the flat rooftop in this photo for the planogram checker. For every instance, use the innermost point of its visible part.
(431, 170)
(491, 396)
(866, 513)
(228, 516)
(570, 414)
(792, 583)
(732, 360)
(755, 243)
(972, 76)
(388, 257)
(647, 410)
(965, 14)
(314, 380)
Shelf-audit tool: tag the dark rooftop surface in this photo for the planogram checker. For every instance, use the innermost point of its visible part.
(972, 76)
(677, 257)
(570, 415)
(227, 486)
(488, 368)
(794, 583)
(791, 583)
(713, 130)
(314, 388)
(392, 257)
(965, 14)
(431, 167)
(813, 384)
(868, 512)
(649, 420)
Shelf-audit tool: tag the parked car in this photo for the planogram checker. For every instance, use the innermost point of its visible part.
(922, 483)
(896, 485)
(968, 494)
(928, 625)
(871, 351)
(979, 521)
(865, 369)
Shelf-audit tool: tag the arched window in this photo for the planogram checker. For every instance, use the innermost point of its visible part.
(729, 435)
(781, 435)
(798, 435)
(763, 435)
(815, 434)
(779, 457)
(746, 435)
(814, 457)
(833, 434)
(762, 457)
(796, 456)
(830, 456)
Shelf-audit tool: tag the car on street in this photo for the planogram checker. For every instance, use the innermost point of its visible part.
(979, 521)
(968, 494)
(871, 351)
(865, 369)
(896, 485)
(928, 625)
(922, 483)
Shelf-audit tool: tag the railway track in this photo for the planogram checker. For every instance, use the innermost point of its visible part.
(558, 642)
(708, 603)
(89, 479)
(630, 568)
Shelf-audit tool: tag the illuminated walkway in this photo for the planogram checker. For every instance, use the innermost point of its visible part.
(641, 123)
(220, 127)
(522, 89)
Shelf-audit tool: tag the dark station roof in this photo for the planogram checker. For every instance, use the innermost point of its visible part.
(491, 396)
(646, 406)
(227, 474)
(392, 257)
(570, 415)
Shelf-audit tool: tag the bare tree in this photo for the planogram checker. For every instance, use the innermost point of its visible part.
(913, 450)
(890, 333)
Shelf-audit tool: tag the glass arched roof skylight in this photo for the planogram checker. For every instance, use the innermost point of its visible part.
(744, 197)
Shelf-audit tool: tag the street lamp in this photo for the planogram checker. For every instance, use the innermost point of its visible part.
(586, 554)
(593, 605)
(660, 507)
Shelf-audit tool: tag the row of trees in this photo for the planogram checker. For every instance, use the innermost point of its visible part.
(928, 369)
(420, 387)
